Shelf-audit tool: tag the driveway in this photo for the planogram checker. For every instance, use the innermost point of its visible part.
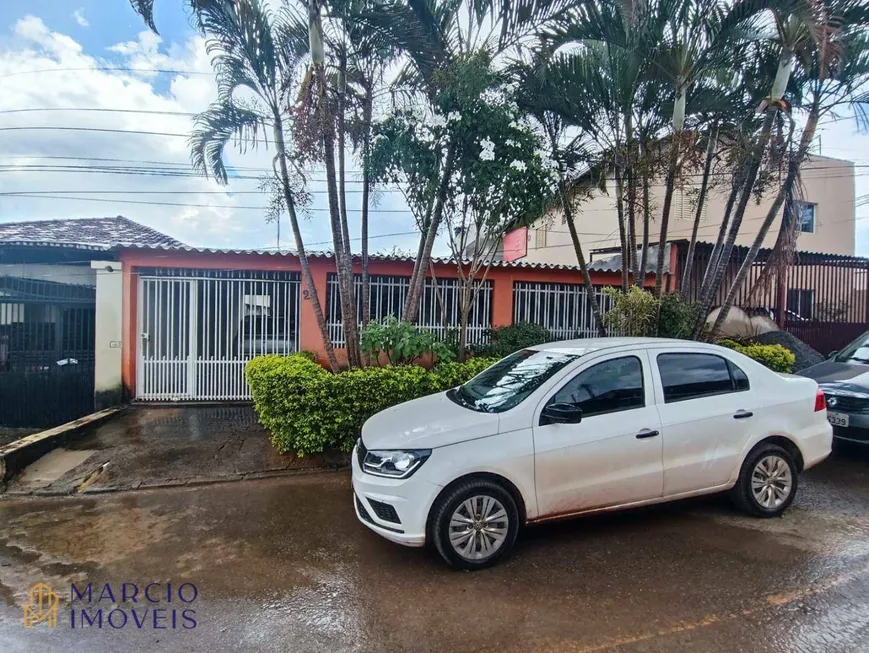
(282, 565)
(157, 446)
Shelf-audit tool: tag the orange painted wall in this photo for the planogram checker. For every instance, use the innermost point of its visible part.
(309, 334)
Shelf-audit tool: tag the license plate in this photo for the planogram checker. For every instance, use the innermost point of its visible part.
(838, 419)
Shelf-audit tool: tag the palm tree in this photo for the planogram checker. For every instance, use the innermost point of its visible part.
(261, 52)
(833, 61)
(554, 94)
(791, 22)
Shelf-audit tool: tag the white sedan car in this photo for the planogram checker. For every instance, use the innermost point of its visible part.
(582, 426)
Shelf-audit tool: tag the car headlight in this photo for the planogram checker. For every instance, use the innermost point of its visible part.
(394, 464)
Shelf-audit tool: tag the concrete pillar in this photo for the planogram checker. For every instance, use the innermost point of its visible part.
(108, 385)
(502, 300)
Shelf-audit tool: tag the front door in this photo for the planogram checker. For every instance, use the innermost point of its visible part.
(613, 456)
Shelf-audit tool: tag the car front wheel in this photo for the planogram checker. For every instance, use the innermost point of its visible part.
(767, 481)
(474, 524)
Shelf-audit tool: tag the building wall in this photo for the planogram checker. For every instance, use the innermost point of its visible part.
(828, 183)
(309, 333)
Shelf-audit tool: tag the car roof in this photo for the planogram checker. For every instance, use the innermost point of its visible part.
(586, 345)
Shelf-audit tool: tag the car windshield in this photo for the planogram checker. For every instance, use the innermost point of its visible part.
(509, 381)
(856, 353)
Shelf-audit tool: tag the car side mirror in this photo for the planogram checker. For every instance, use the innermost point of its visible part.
(832, 354)
(560, 414)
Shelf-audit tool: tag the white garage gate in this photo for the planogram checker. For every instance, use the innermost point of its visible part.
(198, 329)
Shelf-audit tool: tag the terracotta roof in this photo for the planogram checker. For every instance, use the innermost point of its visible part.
(83, 233)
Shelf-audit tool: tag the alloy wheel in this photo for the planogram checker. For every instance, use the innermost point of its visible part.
(478, 527)
(771, 482)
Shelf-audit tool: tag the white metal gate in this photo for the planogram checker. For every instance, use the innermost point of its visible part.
(198, 329)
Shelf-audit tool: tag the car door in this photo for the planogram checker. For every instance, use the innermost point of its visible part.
(707, 414)
(613, 455)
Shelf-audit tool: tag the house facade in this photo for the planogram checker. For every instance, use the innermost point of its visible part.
(60, 317)
(827, 216)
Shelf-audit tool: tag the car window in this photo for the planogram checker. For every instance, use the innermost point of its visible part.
(607, 387)
(740, 378)
(691, 376)
(509, 381)
(856, 352)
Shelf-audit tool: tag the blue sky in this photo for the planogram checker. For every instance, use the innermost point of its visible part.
(65, 36)
(60, 39)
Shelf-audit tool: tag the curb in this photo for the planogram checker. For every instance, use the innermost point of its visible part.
(16, 456)
(180, 483)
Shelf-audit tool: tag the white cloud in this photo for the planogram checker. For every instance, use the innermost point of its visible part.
(78, 16)
(77, 83)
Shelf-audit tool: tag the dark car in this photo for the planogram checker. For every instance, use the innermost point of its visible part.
(844, 379)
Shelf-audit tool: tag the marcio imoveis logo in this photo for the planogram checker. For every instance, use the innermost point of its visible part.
(41, 607)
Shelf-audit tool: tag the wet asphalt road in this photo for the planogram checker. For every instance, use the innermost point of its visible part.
(282, 565)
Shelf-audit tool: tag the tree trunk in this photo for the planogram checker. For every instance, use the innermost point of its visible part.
(342, 179)
(665, 214)
(580, 257)
(620, 216)
(300, 245)
(463, 318)
(366, 191)
(417, 281)
(783, 195)
(752, 166)
(701, 200)
(343, 263)
(630, 173)
(647, 210)
(735, 187)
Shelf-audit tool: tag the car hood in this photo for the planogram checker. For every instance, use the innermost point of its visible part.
(426, 423)
(840, 376)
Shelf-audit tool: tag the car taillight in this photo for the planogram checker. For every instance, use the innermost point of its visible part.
(820, 401)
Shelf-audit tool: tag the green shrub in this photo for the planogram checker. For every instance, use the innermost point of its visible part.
(775, 357)
(676, 317)
(401, 342)
(310, 355)
(504, 340)
(634, 313)
(308, 409)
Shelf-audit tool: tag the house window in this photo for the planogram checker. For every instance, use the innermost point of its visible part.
(806, 215)
(801, 304)
(540, 237)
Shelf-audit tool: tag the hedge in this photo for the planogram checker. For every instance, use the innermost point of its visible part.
(308, 409)
(775, 357)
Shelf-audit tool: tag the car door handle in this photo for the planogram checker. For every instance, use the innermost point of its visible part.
(742, 414)
(646, 433)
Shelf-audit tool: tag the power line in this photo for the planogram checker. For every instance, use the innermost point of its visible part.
(204, 206)
(99, 109)
(92, 129)
(169, 192)
(104, 69)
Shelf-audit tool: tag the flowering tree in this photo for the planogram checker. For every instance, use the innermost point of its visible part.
(498, 178)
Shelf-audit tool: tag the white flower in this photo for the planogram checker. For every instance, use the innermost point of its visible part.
(519, 165)
(488, 149)
(454, 116)
(437, 120)
(511, 143)
(491, 96)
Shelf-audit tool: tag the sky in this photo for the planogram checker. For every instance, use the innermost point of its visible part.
(53, 60)
(54, 55)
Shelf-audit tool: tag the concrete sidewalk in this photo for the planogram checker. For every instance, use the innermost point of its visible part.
(165, 446)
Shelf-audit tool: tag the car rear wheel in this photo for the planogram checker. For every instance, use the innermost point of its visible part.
(767, 481)
(474, 524)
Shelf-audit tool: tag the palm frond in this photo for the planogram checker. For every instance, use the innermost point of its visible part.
(214, 128)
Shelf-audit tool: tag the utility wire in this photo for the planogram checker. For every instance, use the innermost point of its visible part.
(204, 206)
